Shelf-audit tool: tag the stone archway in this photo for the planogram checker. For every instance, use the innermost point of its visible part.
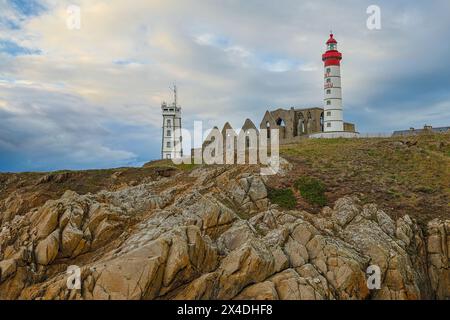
(300, 125)
(308, 122)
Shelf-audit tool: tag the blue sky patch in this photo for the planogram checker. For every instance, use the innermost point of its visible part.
(13, 49)
(27, 7)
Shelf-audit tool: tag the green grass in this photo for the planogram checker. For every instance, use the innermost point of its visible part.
(168, 164)
(406, 175)
(283, 197)
(312, 190)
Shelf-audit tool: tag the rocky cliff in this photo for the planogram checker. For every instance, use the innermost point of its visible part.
(209, 233)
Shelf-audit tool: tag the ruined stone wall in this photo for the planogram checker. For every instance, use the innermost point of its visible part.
(349, 127)
(308, 120)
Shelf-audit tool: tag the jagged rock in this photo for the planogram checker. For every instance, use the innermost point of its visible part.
(47, 219)
(235, 237)
(47, 249)
(7, 268)
(438, 245)
(136, 275)
(257, 190)
(189, 255)
(386, 223)
(248, 264)
(297, 253)
(260, 291)
(71, 237)
(202, 288)
(12, 287)
(104, 232)
(57, 178)
(290, 285)
(341, 265)
(344, 211)
(213, 234)
(13, 205)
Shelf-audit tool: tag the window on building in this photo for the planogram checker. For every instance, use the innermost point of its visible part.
(328, 70)
(268, 129)
(328, 113)
(169, 122)
(328, 80)
(168, 144)
(328, 91)
(169, 133)
(168, 156)
(328, 102)
(328, 124)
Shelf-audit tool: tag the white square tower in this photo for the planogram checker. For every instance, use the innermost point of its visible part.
(171, 130)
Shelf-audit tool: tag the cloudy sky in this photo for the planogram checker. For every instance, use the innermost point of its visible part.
(90, 97)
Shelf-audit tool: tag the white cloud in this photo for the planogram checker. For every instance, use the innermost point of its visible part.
(230, 59)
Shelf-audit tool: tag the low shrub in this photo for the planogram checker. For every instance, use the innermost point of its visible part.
(283, 197)
(312, 190)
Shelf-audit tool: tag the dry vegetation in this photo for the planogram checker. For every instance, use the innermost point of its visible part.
(38, 187)
(404, 175)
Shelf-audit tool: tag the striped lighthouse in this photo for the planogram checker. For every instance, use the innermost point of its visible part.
(333, 114)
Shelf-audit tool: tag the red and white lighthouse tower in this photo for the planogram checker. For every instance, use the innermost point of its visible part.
(333, 114)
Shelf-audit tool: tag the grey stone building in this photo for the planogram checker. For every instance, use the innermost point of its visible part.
(294, 124)
(426, 129)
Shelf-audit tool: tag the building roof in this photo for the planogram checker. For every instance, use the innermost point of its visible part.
(416, 131)
(305, 109)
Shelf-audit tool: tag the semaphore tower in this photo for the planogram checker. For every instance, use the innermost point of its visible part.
(171, 137)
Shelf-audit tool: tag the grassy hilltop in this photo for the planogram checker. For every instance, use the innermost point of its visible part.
(404, 175)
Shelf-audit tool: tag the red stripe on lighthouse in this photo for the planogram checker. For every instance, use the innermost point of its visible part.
(332, 62)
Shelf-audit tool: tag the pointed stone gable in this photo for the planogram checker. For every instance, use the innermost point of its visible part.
(248, 124)
(207, 141)
(226, 127)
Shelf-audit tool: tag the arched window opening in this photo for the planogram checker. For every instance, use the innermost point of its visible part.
(321, 121)
(280, 122)
(301, 125)
(308, 122)
(282, 125)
